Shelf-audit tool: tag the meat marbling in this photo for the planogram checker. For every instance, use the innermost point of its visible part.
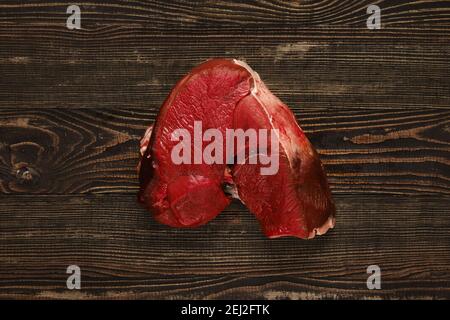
(223, 94)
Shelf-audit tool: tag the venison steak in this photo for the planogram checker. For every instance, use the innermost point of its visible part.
(226, 94)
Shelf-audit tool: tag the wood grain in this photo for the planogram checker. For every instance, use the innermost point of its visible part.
(245, 14)
(124, 253)
(44, 66)
(393, 151)
(74, 104)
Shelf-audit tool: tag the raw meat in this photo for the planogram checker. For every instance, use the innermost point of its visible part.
(224, 94)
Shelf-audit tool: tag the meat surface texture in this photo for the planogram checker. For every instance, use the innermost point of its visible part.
(227, 94)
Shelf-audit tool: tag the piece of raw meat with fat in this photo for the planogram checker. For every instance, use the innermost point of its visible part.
(228, 94)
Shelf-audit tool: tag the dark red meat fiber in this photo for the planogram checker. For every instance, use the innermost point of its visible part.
(225, 93)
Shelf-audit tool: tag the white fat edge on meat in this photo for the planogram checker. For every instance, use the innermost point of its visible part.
(146, 140)
(294, 148)
(257, 79)
(329, 224)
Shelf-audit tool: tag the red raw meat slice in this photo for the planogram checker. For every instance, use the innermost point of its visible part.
(191, 195)
(296, 201)
(229, 94)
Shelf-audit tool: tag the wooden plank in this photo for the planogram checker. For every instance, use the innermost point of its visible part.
(258, 13)
(54, 151)
(52, 67)
(123, 253)
(74, 104)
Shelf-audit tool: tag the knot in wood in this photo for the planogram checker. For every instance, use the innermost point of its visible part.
(27, 175)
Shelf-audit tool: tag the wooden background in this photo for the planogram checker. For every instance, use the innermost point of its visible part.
(73, 105)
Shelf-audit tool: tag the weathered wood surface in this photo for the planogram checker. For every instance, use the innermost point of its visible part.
(123, 253)
(73, 105)
(392, 151)
(137, 66)
(219, 14)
